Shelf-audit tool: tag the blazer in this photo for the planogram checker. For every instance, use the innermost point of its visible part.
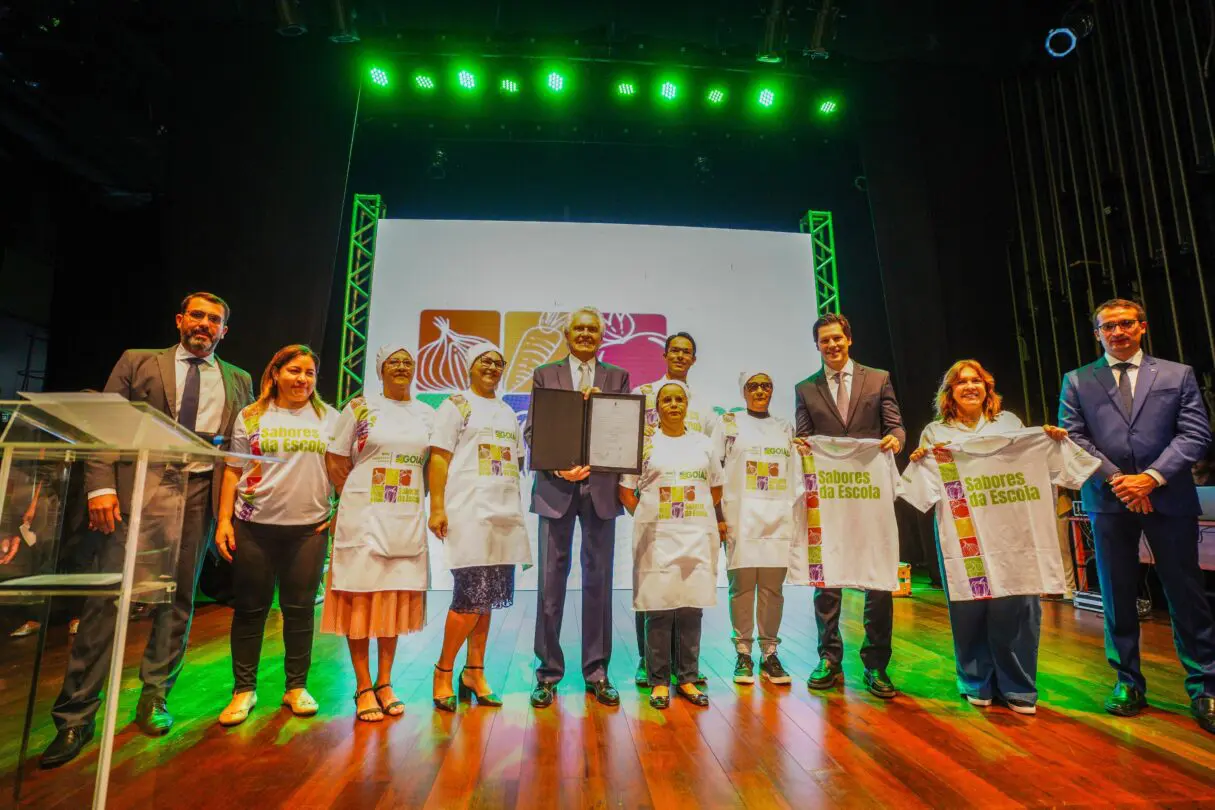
(552, 495)
(873, 410)
(1167, 431)
(150, 375)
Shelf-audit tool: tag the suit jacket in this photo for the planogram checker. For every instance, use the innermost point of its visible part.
(873, 410)
(552, 495)
(1167, 431)
(150, 375)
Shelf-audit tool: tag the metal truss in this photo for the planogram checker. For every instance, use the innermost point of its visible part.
(364, 224)
(822, 245)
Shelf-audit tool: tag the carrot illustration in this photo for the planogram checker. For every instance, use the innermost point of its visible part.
(540, 344)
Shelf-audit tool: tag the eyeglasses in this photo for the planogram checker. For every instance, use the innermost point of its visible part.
(399, 363)
(199, 315)
(1109, 326)
(759, 386)
(488, 363)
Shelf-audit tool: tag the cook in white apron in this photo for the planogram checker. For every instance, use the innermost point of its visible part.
(476, 509)
(380, 567)
(675, 542)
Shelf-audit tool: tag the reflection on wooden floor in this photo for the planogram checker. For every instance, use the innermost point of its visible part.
(757, 746)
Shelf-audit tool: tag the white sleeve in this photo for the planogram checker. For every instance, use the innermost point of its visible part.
(919, 484)
(1070, 465)
(446, 431)
(341, 439)
(240, 441)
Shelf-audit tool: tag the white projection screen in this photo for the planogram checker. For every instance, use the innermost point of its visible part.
(747, 297)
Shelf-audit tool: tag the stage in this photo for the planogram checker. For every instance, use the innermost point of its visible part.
(755, 746)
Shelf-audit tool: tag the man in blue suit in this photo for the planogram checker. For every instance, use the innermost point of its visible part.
(1143, 418)
(592, 499)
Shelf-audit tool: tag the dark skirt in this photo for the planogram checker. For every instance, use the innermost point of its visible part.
(483, 588)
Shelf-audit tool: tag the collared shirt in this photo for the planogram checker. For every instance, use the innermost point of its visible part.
(845, 380)
(1136, 360)
(576, 370)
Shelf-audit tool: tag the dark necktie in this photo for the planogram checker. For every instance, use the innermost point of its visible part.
(1124, 388)
(187, 414)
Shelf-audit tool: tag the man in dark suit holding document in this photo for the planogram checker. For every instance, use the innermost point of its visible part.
(563, 497)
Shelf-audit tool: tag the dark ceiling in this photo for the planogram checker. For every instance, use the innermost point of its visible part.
(90, 84)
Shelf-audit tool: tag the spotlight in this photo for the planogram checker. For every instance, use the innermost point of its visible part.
(626, 89)
(378, 77)
(766, 98)
(772, 48)
(289, 22)
(1076, 24)
(556, 82)
(1060, 42)
(344, 18)
(466, 79)
(668, 91)
(828, 106)
(423, 81)
(508, 87)
(716, 96)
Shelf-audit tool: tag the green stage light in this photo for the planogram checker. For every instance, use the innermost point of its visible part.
(668, 91)
(466, 79)
(626, 89)
(556, 82)
(423, 81)
(766, 98)
(828, 106)
(716, 96)
(509, 86)
(379, 77)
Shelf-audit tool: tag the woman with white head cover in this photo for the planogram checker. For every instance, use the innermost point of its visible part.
(764, 547)
(476, 455)
(380, 568)
(676, 535)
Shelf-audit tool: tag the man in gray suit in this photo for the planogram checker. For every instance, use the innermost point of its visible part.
(203, 393)
(592, 499)
(845, 398)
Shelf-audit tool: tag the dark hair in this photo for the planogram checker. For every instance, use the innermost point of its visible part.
(269, 387)
(208, 297)
(830, 318)
(1119, 303)
(666, 348)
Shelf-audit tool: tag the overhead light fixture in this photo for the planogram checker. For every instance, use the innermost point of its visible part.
(556, 82)
(668, 91)
(716, 96)
(626, 89)
(772, 47)
(344, 18)
(766, 98)
(423, 81)
(828, 106)
(466, 80)
(378, 76)
(1077, 24)
(290, 24)
(508, 87)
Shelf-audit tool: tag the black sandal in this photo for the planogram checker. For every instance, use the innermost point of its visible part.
(444, 704)
(388, 709)
(466, 692)
(365, 714)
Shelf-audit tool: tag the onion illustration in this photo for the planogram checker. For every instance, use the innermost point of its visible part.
(441, 362)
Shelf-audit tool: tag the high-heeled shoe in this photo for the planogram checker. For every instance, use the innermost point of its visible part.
(466, 692)
(444, 704)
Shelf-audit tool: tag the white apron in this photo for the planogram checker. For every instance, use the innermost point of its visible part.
(484, 507)
(763, 485)
(380, 542)
(675, 540)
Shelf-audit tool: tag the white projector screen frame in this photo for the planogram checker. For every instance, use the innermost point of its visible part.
(747, 297)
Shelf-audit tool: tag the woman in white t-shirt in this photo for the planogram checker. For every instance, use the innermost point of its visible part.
(677, 529)
(764, 549)
(272, 522)
(476, 455)
(995, 641)
(380, 568)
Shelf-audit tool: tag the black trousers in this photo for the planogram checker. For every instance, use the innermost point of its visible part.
(879, 624)
(662, 627)
(89, 662)
(292, 557)
(641, 640)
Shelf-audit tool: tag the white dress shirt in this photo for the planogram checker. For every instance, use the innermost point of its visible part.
(1136, 360)
(845, 380)
(576, 370)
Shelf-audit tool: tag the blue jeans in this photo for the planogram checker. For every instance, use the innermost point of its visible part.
(995, 643)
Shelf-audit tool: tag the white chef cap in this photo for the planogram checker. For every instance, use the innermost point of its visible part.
(388, 350)
(746, 376)
(473, 352)
(661, 384)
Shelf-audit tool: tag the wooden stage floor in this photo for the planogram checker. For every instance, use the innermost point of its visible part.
(755, 746)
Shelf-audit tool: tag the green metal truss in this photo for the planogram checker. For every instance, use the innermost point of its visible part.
(822, 245)
(364, 224)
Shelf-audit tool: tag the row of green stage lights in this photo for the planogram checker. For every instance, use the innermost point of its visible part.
(555, 83)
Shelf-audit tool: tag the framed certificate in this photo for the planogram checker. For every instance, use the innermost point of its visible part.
(604, 431)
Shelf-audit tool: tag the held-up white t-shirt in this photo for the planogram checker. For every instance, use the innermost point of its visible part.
(851, 534)
(294, 492)
(995, 509)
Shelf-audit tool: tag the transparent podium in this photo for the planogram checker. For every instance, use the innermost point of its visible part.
(46, 443)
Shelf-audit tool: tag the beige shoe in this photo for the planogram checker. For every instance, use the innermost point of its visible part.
(301, 703)
(238, 709)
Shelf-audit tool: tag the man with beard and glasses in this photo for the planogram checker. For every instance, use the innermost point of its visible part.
(203, 393)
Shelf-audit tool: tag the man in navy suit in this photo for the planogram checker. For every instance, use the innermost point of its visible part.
(1143, 418)
(563, 497)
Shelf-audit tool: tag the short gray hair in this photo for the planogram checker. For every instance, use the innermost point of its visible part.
(569, 319)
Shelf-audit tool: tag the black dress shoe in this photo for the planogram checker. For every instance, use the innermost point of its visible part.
(878, 683)
(152, 716)
(642, 676)
(604, 692)
(1203, 709)
(543, 694)
(699, 699)
(1125, 701)
(66, 746)
(826, 675)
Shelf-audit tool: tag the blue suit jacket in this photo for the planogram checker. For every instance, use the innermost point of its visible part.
(551, 495)
(1168, 431)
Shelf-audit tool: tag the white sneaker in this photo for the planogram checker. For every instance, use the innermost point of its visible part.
(978, 701)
